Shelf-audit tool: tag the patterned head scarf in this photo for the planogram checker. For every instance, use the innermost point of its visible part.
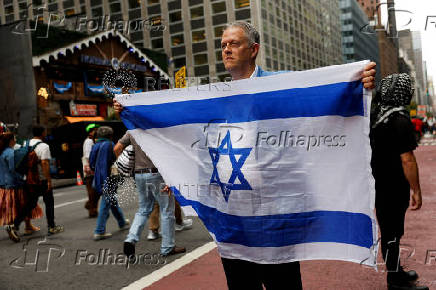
(394, 94)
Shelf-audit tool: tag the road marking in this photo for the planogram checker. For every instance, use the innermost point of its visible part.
(171, 267)
(70, 202)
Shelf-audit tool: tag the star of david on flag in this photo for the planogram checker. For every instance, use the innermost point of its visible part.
(226, 149)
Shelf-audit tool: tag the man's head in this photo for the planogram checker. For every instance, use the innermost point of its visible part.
(396, 90)
(38, 131)
(105, 132)
(91, 129)
(240, 46)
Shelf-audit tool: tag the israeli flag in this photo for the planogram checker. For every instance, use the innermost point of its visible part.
(276, 167)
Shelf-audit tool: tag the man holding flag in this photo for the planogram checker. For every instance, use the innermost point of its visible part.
(240, 46)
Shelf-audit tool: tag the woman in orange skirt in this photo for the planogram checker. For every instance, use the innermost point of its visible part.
(12, 195)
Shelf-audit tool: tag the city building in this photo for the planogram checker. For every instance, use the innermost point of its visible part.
(295, 34)
(356, 43)
(372, 8)
(388, 53)
(386, 35)
(410, 42)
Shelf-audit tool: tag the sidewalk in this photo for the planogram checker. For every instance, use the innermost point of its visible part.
(207, 273)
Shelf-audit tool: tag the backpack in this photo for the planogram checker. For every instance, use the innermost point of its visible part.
(26, 161)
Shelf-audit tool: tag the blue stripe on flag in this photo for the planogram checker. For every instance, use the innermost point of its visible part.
(284, 229)
(339, 99)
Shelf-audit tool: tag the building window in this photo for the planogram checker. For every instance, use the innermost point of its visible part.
(218, 31)
(69, 12)
(219, 55)
(97, 12)
(68, 4)
(94, 2)
(201, 70)
(218, 7)
(136, 36)
(197, 12)
(179, 62)
(157, 43)
(241, 3)
(198, 36)
(152, 10)
(152, 1)
(242, 14)
(115, 7)
(199, 47)
(175, 16)
(200, 59)
(175, 5)
(156, 21)
(177, 40)
(219, 19)
(135, 13)
(134, 3)
(197, 23)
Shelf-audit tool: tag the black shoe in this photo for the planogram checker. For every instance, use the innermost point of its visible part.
(175, 251)
(13, 233)
(129, 250)
(401, 276)
(408, 275)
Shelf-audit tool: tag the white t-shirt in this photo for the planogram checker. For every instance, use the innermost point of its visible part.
(43, 153)
(87, 146)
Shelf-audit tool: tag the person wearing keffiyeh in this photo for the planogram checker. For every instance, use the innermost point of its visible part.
(395, 172)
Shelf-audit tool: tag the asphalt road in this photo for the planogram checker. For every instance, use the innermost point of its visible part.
(73, 260)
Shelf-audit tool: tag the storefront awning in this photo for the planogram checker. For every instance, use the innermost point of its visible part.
(84, 119)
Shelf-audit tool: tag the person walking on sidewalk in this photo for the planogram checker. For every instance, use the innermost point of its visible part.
(38, 184)
(100, 161)
(126, 168)
(395, 172)
(153, 222)
(12, 188)
(150, 187)
(88, 174)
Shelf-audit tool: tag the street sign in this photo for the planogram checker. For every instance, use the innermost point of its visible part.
(180, 77)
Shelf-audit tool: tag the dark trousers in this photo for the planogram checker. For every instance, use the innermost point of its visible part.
(93, 196)
(33, 192)
(391, 216)
(242, 274)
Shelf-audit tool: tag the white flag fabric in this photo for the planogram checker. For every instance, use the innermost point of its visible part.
(276, 167)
